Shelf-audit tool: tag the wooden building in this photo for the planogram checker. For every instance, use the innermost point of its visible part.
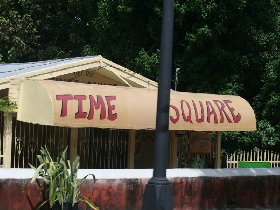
(104, 113)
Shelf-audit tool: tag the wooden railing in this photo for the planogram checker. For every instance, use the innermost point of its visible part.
(254, 156)
(1, 160)
(1, 138)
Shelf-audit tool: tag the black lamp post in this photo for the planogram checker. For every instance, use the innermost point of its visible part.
(158, 191)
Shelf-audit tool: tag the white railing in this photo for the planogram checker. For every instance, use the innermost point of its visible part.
(254, 156)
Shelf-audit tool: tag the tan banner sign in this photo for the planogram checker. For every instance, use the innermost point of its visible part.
(84, 105)
(200, 142)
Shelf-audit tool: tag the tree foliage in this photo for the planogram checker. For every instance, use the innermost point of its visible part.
(223, 47)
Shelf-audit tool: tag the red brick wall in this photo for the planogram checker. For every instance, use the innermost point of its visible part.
(199, 193)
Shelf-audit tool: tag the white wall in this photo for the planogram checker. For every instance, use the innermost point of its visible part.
(147, 173)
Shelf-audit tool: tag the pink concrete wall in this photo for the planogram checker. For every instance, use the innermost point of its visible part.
(196, 193)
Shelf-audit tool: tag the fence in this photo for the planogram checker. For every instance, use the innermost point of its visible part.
(27, 140)
(97, 148)
(187, 160)
(254, 156)
(102, 148)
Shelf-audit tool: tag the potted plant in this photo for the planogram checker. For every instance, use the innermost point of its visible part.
(60, 181)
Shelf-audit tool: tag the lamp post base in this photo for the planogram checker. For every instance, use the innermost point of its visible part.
(158, 195)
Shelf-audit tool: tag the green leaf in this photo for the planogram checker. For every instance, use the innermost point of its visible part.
(89, 202)
(42, 204)
(36, 173)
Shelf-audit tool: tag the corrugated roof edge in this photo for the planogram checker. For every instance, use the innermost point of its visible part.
(44, 61)
(10, 69)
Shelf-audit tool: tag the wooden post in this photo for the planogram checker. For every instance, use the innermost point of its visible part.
(7, 137)
(173, 150)
(73, 144)
(131, 148)
(218, 161)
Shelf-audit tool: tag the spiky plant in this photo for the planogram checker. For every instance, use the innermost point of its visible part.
(60, 179)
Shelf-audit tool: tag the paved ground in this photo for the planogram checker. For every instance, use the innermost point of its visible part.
(259, 208)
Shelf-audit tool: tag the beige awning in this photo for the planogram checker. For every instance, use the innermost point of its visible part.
(83, 105)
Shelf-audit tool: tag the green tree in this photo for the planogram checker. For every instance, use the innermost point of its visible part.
(265, 137)
(128, 32)
(18, 33)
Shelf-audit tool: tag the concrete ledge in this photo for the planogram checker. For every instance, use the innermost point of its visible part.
(147, 173)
